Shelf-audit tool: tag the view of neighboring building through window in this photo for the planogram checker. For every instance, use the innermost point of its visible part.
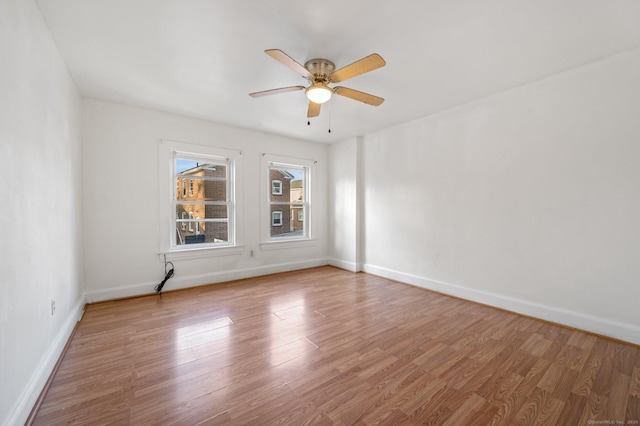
(204, 212)
(276, 218)
(276, 187)
(288, 201)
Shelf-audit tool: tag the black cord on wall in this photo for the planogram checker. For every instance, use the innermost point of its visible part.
(167, 275)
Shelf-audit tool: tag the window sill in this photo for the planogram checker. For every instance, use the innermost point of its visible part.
(285, 244)
(200, 253)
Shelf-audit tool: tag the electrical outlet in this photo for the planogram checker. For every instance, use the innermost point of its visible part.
(53, 307)
(251, 253)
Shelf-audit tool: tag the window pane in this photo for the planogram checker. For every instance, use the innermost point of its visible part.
(203, 233)
(199, 188)
(285, 221)
(200, 181)
(286, 185)
(201, 211)
(190, 168)
(205, 224)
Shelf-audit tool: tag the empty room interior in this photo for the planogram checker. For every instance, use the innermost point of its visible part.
(287, 212)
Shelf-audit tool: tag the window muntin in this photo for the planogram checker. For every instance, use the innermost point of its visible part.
(289, 203)
(208, 202)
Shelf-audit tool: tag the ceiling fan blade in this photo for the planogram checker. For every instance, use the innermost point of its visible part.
(288, 61)
(358, 96)
(314, 109)
(276, 91)
(369, 63)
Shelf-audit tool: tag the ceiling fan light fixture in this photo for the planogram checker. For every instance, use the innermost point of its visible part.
(318, 93)
(320, 72)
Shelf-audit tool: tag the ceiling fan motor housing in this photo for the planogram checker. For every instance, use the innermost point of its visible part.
(320, 68)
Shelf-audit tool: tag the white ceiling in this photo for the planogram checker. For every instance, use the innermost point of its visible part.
(201, 58)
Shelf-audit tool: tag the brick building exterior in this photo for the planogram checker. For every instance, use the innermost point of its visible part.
(297, 212)
(191, 186)
(284, 188)
(280, 181)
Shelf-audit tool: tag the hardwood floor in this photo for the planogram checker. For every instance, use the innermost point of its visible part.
(325, 346)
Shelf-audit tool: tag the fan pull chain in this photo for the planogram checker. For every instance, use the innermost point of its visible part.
(329, 115)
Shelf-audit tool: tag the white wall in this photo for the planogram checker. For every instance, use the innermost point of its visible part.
(528, 199)
(344, 243)
(41, 221)
(120, 182)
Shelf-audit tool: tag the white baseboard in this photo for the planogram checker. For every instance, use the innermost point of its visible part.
(180, 282)
(599, 325)
(343, 264)
(28, 398)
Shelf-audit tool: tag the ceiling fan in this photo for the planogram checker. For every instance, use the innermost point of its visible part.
(320, 73)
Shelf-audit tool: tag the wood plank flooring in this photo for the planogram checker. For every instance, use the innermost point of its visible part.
(325, 346)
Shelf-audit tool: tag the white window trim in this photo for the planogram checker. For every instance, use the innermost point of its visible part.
(309, 189)
(190, 223)
(167, 186)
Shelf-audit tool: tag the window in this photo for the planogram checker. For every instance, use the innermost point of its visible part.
(199, 200)
(276, 187)
(276, 218)
(287, 200)
(210, 211)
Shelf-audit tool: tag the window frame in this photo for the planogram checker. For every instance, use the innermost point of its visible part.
(168, 187)
(307, 167)
(193, 224)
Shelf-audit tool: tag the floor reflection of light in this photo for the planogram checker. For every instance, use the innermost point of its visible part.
(203, 332)
(288, 330)
(290, 301)
(204, 348)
